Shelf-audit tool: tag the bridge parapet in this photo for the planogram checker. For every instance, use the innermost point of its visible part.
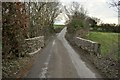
(33, 45)
(91, 46)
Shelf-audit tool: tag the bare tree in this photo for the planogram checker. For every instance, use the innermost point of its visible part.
(74, 8)
(115, 4)
(75, 11)
(42, 15)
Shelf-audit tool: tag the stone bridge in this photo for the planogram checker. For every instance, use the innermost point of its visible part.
(93, 47)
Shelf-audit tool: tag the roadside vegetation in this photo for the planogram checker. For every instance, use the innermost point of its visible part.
(20, 21)
(84, 26)
(108, 41)
(26, 20)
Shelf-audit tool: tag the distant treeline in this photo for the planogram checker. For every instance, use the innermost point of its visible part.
(107, 28)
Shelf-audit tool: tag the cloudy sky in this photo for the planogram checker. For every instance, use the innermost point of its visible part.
(97, 8)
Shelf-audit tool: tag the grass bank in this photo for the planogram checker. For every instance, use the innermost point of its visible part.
(108, 41)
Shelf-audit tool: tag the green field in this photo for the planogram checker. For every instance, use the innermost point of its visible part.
(58, 26)
(108, 41)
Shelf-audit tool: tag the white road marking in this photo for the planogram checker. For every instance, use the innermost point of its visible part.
(45, 69)
(43, 74)
(53, 43)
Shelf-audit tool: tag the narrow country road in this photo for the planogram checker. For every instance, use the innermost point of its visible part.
(59, 60)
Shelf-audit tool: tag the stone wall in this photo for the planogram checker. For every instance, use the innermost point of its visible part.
(33, 45)
(105, 64)
(93, 47)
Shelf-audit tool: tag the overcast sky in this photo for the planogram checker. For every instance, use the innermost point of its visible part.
(99, 9)
(95, 8)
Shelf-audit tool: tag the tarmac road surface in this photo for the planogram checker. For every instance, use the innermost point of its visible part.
(59, 60)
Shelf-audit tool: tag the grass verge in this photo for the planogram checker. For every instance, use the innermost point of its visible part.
(108, 41)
